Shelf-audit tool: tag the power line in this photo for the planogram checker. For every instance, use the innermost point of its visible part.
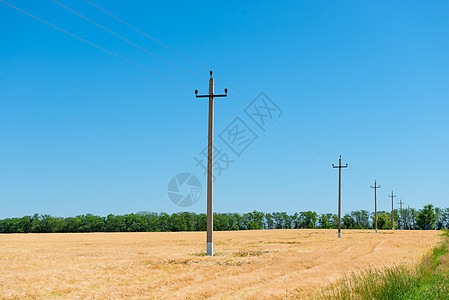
(164, 76)
(267, 136)
(140, 66)
(282, 131)
(297, 141)
(356, 171)
(280, 123)
(218, 77)
(92, 44)
(126, 40)
(279, 129)
(232, 94)
(151, 38)
(306, 140)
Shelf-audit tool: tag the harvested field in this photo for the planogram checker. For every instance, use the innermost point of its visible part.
(247, 264)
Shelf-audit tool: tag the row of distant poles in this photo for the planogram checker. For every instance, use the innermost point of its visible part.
(210, 147)
(375, 187)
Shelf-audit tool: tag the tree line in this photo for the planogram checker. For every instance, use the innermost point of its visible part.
(434, 218)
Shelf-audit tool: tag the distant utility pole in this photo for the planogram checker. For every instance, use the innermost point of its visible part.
(339, 193)
(375, 187)
(402, 222)
(392, 211)
(210, 149)
(409, 219)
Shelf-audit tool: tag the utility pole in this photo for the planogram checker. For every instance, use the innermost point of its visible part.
(375, 187)
(392, 211)
(409, 219)
(339, 193)
(402, 222)
(210, 149)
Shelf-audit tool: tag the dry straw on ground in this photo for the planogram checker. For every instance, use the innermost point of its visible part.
(248, 264)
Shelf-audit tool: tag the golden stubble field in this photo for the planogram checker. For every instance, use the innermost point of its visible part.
(248, 264)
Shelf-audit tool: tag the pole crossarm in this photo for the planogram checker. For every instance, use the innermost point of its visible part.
(208, 96)
(211, 90)
(339, 167)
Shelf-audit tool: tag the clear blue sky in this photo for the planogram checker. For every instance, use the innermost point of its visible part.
(82, 131)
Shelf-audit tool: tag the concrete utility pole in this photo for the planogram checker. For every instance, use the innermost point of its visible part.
(210, 166)
(392, 211)
(375, 187)
(339, 193)
(402, 222)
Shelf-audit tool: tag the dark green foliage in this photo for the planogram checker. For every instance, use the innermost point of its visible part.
(308, 219)
(281, 220)
(426, 216)
(361, 218)
(325, 221)
(444, 218)
(187, 221)
(348, 222)
(384, 221)
(253, 220)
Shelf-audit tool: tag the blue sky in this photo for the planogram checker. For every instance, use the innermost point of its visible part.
(82, 131)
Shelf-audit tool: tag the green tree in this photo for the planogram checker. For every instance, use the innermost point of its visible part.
(361, 218)
(323, 221)
(220, 222)
(201, 222)
(426, 216)
(439, 218)
(384, 221)
(24, 224)
(177, 222)
(71, 224)
(269, 221)
(280, 220)
(253, 220)
(115, 223)
(150, 220)
(308, 219)
(235, 221)
(445, 218)
(348, 222)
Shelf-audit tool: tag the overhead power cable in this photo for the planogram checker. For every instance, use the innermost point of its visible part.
(126, 40)
(164, 76)
(263, 133)
(96, 46)
(228, 85)
(151, 38)
(287, 134)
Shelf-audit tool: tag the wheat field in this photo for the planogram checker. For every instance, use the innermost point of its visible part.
(172, 265)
